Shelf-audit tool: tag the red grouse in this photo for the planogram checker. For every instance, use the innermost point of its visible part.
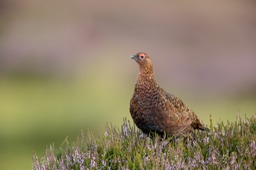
(154, 110)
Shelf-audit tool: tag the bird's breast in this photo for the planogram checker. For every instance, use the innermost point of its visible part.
(148, 98)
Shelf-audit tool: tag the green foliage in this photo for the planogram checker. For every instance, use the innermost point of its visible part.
(228, 146)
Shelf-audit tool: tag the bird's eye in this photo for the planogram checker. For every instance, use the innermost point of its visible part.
(141, 56)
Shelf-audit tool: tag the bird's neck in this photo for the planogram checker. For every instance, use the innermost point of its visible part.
(146, 76)
(145, 80)
(146, 70)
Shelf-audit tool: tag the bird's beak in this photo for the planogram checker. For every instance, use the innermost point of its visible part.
(134, 57)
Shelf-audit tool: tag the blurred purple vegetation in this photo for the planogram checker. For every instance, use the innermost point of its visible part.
(230, 146)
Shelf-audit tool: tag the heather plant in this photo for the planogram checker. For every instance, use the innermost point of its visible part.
(226, 146)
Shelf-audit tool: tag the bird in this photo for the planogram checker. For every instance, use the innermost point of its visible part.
(155, 111)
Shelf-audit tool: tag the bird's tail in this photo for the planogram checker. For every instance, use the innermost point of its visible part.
(203, 128)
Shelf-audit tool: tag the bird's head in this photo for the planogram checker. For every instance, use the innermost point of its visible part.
(146, 66)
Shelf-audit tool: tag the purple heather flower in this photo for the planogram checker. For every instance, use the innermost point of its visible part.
(106, 134)
(253, 148)
(206, 140)
(104, 163)
(233, 158)
(78, 157)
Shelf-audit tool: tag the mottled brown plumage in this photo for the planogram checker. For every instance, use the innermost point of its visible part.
(156, 111)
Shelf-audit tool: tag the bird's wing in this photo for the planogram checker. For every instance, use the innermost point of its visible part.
(187, 115)
(180, 118)
(176, 104)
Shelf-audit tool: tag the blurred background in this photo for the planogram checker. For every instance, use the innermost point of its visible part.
(65, 65)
